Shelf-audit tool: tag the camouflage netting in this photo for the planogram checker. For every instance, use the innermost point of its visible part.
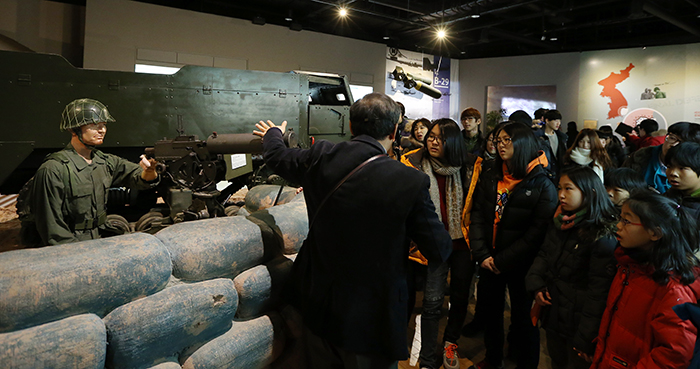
(84, 111)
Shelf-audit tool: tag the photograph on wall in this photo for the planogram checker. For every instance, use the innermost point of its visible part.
(421, 82)
(505, 100)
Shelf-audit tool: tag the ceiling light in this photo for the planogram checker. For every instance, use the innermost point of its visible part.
(553, 39)
(288, 19)
(441, 34)
(476, 13)
(386, 37)
(343, 12)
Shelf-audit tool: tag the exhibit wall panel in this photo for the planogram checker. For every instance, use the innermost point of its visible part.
(561, 70)
(116, 29)
(42, 26)
(633, 84)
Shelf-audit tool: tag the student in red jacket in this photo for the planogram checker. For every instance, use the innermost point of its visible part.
(645, 139)
(656, 271)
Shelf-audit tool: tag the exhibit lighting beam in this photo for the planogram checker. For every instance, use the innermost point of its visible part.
(358, 10)
(653, 10)
(394, 7)
(525, 40)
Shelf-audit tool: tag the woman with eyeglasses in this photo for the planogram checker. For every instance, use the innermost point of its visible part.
(453, 176)
(656, 272)
(513, 205)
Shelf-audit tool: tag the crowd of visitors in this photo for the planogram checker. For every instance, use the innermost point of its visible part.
(565, 226)
(594, 239)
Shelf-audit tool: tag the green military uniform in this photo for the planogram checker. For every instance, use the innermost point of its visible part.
(70, 195)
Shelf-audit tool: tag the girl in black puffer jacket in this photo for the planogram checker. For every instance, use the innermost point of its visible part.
(571, 275)
(513, 205)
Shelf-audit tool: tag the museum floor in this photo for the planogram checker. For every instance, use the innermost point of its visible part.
(471, 349)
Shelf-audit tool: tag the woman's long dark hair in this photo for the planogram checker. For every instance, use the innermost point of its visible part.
(598, 153)
(525, 149)
(601, 217)
(452, 141)
(674, 252)
(424, 121)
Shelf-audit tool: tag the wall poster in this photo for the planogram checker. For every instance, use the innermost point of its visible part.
(427, 69)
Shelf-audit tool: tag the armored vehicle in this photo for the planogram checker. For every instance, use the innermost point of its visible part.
(167, 112)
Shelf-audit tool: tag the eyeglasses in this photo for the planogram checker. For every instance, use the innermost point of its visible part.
(672, 139)
(506, 141)
(626, 222)
(433, 138)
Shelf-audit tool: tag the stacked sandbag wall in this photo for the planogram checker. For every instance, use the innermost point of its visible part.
(200, 294)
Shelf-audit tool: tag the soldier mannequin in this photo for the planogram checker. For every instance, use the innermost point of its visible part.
(69, 191)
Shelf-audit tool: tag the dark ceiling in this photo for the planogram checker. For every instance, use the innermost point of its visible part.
(503, 27)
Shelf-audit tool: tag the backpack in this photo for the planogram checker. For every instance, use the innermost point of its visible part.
(29, 234)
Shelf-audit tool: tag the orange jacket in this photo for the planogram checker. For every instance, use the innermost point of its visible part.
(470, 176)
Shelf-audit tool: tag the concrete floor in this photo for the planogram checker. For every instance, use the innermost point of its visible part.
(471, 349)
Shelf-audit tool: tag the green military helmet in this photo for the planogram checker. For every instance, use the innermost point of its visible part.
(84, 111)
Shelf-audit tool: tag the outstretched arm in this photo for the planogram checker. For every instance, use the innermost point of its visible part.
(264, 127)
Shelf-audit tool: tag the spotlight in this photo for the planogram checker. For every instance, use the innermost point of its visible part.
(343, 12)
(441, 34)
(476, 15)
(553, 39)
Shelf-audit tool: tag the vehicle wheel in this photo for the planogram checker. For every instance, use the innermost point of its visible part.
(147, 222)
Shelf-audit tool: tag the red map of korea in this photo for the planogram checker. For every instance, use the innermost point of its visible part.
(617, 100)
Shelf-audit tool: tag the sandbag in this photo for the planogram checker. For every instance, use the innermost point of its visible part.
(263, 196)
(259, 288)
(163, 325)
(167, 365)
(289, 222)
(78, 342)
(96, 276)
(248, 344)
(242, 212)
(213, 248)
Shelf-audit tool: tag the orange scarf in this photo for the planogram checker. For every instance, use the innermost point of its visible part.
(506, 186)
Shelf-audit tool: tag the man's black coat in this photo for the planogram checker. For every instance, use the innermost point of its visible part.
(349, 279)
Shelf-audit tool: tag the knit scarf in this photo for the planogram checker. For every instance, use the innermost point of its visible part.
(565, 222)
(583, 157)
(454, 195)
